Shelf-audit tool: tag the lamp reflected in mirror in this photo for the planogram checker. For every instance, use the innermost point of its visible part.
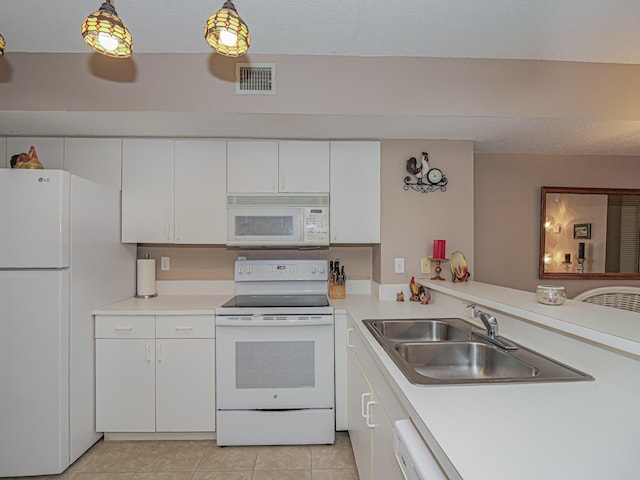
(601, 232)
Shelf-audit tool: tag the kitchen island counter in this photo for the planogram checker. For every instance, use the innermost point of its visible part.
(585, 430)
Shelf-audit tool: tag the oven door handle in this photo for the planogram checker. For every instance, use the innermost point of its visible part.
(259, 322)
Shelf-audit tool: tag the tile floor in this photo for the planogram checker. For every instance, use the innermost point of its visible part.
(204, 460)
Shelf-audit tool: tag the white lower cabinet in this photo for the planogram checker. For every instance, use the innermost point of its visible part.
(371, 409)
(155, 373)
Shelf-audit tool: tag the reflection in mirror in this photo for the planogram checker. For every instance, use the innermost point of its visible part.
(588, 233)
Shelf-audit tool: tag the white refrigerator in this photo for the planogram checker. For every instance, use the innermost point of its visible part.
(60, 256)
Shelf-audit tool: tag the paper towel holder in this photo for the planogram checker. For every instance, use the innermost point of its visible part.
(152, 280)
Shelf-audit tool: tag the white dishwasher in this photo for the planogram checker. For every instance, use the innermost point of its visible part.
(415, 459)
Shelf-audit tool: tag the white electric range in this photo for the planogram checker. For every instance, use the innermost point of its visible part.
(275, 356)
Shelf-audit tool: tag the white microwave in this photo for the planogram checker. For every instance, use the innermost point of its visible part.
(277, 220)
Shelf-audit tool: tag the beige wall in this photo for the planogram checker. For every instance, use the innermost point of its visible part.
(412, 220)
(200, 262)
(322, 85)
(507, 210)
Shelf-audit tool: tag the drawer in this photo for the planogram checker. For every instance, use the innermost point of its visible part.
(125, 326)
(185, 326)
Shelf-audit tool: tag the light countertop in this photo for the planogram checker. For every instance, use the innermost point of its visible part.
(165, 305)
(581, 430)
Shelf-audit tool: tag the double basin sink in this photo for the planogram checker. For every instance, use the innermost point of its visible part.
(447, 351)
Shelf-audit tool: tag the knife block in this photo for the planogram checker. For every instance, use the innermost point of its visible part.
(337, 291)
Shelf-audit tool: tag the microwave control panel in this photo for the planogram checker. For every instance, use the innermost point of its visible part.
(316, 225)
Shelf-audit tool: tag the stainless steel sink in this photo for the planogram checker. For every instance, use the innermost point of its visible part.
(462, 360)
(423, 330)
(446, 351)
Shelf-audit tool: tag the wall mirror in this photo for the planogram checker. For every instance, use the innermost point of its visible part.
(589, 233)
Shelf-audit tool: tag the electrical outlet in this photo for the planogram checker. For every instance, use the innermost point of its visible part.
(165, 263)
(425, 265)
(399, 265)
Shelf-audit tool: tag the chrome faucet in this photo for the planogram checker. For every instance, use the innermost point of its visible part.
(491, 325)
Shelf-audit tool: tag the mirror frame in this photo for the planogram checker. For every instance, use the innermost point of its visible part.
(578, 276)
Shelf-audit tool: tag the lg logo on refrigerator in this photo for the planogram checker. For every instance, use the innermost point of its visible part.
(44, 180)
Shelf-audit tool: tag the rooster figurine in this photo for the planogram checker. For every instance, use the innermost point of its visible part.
(415, 290)
(414, 168)
(26, 160)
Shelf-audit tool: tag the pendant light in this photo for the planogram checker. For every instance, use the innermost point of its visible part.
(2, 45)
(105, 33)
(226, 32)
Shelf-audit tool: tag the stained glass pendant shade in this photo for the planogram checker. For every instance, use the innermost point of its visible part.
(2, 45)
(105, 33)
(226, 32)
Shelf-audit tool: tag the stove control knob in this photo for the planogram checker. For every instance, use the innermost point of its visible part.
(313, 269)
(321, 268)
(240, 269)
(249, 270)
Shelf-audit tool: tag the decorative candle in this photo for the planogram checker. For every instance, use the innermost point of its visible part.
(581, 250)
(439, 248)
(567, 258)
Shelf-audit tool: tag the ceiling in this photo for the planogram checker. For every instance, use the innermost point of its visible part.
(580, 30)
(605, 31)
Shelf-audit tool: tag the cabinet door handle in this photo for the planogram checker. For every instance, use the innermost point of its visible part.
(168, 231)
(281, 186)
(349, 344)
(159, 352)
(370, 403)
(148, 352)
(273, 182)
(178, 233)
(362, 404)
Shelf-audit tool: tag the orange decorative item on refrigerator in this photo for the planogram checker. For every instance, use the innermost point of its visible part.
(26, 160)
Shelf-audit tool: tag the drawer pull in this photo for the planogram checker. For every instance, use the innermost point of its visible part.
(184, 328)
(362, 404)
(349, 344)
(370, 403)
(123, 329)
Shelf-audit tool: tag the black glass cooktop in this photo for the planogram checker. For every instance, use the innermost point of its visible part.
(262, 301)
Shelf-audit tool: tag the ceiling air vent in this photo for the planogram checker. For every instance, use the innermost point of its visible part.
(256, 78)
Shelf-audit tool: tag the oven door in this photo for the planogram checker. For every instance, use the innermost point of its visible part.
(289, 366)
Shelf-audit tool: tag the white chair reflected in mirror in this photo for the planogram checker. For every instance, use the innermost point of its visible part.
(625, 298)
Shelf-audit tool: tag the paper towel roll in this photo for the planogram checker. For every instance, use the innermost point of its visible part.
(146, 278)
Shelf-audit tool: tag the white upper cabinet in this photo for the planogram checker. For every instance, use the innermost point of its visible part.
(355, 192)
(277, 166)
(303, 166)
(200, 191)
(96, 159)
(50, 150)
(173, 191)
(147, 191)
(252, 166)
